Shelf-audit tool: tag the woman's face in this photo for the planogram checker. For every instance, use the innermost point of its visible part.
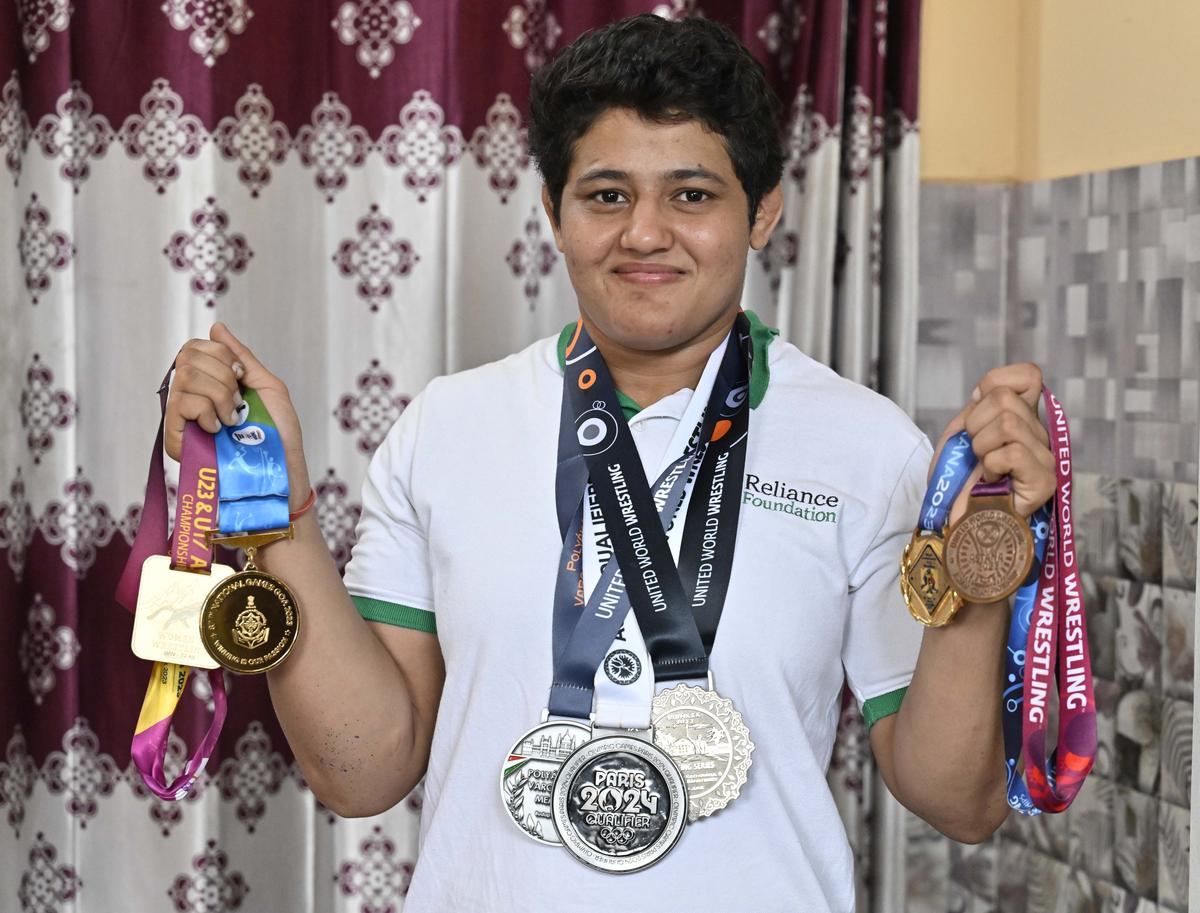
(653, 228)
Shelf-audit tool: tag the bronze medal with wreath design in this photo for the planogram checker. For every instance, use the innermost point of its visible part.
(989, 552)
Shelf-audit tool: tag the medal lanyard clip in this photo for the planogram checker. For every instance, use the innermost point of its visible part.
(251, 542)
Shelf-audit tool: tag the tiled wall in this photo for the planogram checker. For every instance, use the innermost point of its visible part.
(1096, 278)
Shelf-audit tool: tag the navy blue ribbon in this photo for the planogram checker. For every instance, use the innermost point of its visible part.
(583, 633)
(594, 438)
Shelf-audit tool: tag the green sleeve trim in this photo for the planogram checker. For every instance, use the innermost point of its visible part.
(876, 708)
(760, 371)
(393, 614)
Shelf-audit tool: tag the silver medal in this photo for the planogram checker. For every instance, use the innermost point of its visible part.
(620, 804)
(527, 778)
(706, 736)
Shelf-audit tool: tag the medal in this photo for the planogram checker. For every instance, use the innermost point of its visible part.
(620, 804)
(166, 621)
(924, 583)
(990, 550)
(249, 621)
(709, 742)
(165, 594)
(527, 777)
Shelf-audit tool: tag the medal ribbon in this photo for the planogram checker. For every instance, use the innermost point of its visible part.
(955, 464)
(1048, 616)
(1014, 668)
(253, 470)
(195, 515)
(1058, 643)
(622, 701)
(244, 468)
(602, 448)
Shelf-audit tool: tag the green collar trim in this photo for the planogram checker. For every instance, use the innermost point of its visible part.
(760, 372)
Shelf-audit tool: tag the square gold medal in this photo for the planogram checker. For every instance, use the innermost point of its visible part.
(928, 590)
(166, 624)
(927, 578)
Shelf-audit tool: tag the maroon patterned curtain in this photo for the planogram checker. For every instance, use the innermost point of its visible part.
(351, 190)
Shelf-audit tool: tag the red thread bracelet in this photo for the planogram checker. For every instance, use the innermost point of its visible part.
(306, 506)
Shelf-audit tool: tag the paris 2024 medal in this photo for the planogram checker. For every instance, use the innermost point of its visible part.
(249, 622)
(527, 778)
(707, 738)
(620, 804)
(990, 551)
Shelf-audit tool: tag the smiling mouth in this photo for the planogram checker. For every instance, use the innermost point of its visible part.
(648, 273)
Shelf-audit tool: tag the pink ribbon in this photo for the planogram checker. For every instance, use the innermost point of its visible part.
(167, 682)
(1057, 649)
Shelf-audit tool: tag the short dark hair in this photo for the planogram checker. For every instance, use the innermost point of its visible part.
(668, 72)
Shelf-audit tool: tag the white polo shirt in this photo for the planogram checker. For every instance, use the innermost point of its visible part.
(458, 535)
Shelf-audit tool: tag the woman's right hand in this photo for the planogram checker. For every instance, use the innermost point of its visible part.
(205, 389)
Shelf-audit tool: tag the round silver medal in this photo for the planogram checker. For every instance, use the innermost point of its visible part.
(620, 804)
(706, 736)
(527, 777)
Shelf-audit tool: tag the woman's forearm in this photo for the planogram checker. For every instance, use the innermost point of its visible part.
(948, 746)
(340, 696)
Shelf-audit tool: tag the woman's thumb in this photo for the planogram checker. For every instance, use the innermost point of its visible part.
(254, 373)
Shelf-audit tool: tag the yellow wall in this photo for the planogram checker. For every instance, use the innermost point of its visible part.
(1030, 89)
(968, 84)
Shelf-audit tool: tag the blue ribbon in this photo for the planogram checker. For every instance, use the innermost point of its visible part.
(954, 466)
(1024, 603)
(252, 473)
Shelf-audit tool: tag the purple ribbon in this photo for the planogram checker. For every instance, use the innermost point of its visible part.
(168, 680)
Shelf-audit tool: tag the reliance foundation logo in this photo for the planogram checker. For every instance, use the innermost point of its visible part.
(813, 506)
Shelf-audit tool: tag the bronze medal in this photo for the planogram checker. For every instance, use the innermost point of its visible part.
(925, 584)
(990, 550)
(249, 622)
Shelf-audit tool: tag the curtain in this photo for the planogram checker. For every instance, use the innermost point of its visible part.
(352, 192)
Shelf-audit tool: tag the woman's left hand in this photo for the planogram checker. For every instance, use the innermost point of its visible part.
(1007, 436)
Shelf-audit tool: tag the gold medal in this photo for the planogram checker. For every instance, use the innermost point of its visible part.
(925, 584)
(165, 623)
(990, 550)
(249, 621)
